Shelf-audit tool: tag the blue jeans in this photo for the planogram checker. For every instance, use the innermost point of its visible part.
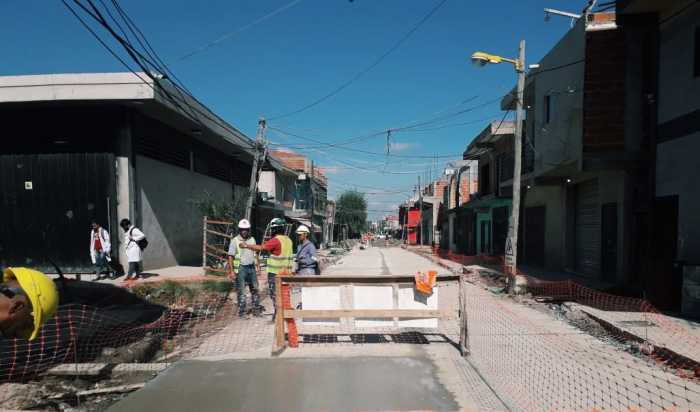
(247, 275)
(101, 261)
(272, 288)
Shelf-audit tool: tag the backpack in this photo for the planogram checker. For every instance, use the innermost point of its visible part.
(142, 244)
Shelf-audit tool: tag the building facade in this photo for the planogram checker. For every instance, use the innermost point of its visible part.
(77, 147)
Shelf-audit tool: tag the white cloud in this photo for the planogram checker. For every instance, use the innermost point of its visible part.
(334, 170)
(397, 147)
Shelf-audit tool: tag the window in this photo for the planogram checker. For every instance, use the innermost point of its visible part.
(485, 177)
(696, 55)
(548, 108)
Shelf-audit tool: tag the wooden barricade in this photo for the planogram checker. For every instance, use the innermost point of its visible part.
(282, 314)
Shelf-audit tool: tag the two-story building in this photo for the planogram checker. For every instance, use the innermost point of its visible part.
(310, 190)
(492, 204)
(662, 70)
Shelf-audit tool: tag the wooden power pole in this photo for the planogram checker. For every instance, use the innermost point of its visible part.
(258, 148)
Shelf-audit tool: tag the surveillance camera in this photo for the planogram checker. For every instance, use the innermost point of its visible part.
(546, 17)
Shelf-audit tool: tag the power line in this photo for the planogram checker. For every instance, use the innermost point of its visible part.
(133, 53)
(362, 151)
(233, 33)
(366, 70)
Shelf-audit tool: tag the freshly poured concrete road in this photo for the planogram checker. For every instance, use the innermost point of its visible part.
(353, 384)
(369, 377)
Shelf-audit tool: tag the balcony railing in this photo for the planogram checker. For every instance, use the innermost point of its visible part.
(506, 163)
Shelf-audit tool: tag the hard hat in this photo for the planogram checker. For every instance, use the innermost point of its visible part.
(244, 224)
(42, 293)
(303, 229)
(277, 222)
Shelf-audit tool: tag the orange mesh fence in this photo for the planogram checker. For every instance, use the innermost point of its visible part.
(590, 350)
(551, 346)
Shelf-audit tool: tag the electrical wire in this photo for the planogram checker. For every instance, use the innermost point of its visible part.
(364, 71)
(247, 26)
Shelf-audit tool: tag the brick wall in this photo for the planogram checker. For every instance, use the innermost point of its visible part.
(293, 161)
(604, 91)
(464, 189)
(440, 188)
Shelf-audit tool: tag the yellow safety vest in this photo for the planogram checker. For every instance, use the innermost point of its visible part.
(276, 264)
(239, 251)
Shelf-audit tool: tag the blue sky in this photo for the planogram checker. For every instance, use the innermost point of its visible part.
(307, 51)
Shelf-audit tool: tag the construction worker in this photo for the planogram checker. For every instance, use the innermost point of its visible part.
(245, 265)
(28, 299)
(281, 256)
(307, 256)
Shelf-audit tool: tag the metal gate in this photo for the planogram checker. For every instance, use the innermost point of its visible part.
(534, 235)
(48, 202)
(587, 249)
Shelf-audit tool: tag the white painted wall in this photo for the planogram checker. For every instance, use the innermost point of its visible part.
(170, 222)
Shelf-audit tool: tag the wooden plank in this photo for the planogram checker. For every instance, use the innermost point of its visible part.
(80, 369)
(216, 248)
(361, 280)
(370, 313)
(215, 256)
(216, 222)
(218, 233)
(216, 270)
(279, 315)
(463, 325)
(101, 391)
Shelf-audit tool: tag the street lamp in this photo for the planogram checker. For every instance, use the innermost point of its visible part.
(482, 59)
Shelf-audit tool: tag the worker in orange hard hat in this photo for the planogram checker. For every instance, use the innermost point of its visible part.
(28, 299)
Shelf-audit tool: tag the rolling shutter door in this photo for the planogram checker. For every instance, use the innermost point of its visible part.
(534, 235)
(587, 249)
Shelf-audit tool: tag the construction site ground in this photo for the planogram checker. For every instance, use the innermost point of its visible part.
(232, 368)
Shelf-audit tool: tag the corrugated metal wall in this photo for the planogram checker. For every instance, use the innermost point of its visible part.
(47, 205)
(587, 249)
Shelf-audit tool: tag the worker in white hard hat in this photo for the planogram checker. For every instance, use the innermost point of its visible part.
(281, 259)
(245, 266)
(28, 299)
(307, 256)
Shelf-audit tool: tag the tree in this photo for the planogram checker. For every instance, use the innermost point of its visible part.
(351, 209)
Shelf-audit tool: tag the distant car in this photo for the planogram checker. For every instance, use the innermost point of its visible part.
(381, 236)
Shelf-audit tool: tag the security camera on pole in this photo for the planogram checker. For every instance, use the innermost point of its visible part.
(511, 247)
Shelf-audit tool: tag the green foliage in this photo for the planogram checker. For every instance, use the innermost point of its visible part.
(231, 209)
(177, 290)
(351, 209)
(214, 286)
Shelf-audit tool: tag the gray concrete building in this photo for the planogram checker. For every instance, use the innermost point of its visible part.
(668, 99)
(580, 198)
(74, 147)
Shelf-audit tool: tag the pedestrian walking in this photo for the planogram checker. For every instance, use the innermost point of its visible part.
(28, 299)
(245, 266)
(281, 256)
(100, 250)
(134, 245)
(307, 256)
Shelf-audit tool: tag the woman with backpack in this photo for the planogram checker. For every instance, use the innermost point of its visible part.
(135, 242)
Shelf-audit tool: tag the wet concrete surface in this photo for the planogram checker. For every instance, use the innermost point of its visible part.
(350, 384)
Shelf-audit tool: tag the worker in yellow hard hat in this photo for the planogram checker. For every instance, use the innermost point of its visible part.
(28, 299)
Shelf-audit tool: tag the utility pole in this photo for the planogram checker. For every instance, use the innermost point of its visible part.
(257, 146)
(313, 200)
(420, 202)
(516, 173)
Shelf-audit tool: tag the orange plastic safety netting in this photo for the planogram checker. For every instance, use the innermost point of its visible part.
(558, 345)
(553, 345)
